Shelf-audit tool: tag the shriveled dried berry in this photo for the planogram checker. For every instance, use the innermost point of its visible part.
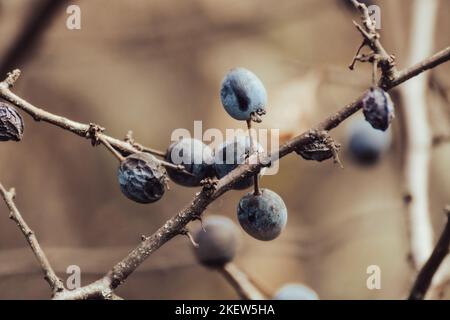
(11, 123)
(320, 149)
(263, 215)
(378, 108)
(142, 178)
(217, 241)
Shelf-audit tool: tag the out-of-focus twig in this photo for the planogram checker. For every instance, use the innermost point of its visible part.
(29, 36)
(425, 276)
(241, 283)
(50, 276)
(418, 136)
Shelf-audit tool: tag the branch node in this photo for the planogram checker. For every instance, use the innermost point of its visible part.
(93, 133)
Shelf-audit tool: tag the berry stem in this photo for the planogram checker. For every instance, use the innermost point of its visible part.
(179, 167)
(110, 147)
(253, 149)
(374, 72)
(152, 151)
(129, 138)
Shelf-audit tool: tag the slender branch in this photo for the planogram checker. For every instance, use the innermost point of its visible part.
(88, 131)
(371, 38)
(119, 273)
(426, 64)
(240, 282)
(425, 276)
(130, 139)
(49, 274)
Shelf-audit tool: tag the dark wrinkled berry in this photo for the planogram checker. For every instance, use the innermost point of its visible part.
(218, 242)
(319, 149)
(242, 94)
(295, 291)
(11, 123)
(197, 159)
(365, 144)
(229, 155)
(142, 178)
(263, 216)
(378, 108)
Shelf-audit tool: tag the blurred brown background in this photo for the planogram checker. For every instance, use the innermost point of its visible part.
(154, 66)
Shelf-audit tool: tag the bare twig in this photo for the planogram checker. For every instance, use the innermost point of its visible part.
(425, 276)
(130, 139)
(379, 56)
(49, 274)
(240, 282)
(80, 129)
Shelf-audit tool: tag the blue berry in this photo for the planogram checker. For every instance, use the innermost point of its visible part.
(196, 157)
(366, 144)
(243, 95)
(378, 108)
(263, 216)
(229, 155)
(142, 178)
(295, 291)
(218, 242)
(11, 123)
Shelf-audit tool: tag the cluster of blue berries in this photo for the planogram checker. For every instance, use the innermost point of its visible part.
(262, 213)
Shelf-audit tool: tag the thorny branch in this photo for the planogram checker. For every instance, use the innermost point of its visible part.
(425, 276)
(371, 38)
(49, 274)
(104, 287)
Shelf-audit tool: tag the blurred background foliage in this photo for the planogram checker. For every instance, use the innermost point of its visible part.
(154, 66)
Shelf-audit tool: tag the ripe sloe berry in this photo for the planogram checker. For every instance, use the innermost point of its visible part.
(218, 242)
(142, 178)
(365, 144)
(11, 123)
(263, 216)
(295, 291)
(230, 154)
(378, 108)
(196, 157)
(243, 94)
